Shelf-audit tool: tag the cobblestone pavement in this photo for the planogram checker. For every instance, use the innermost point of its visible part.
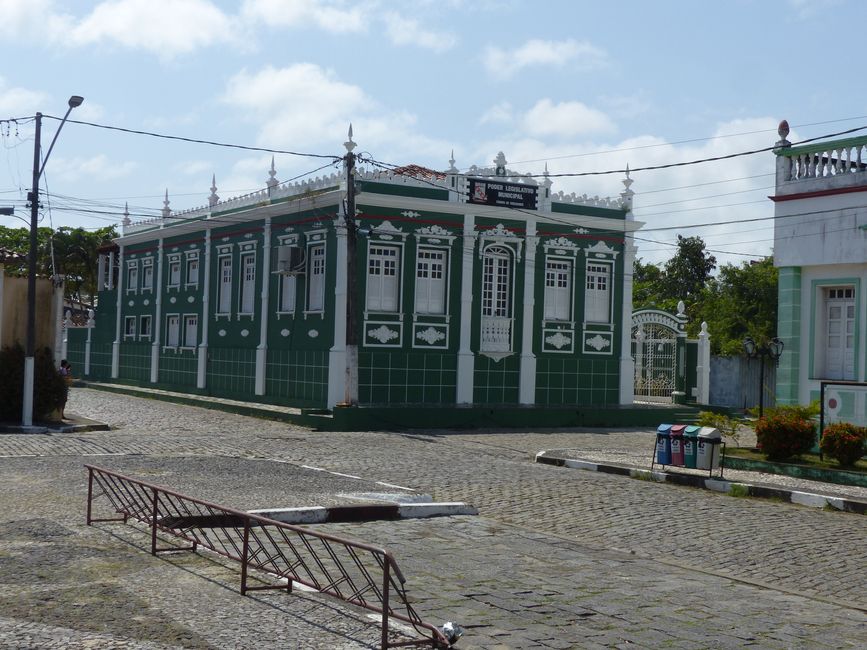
(557, 558)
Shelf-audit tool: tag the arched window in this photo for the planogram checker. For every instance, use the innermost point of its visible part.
(497, 280)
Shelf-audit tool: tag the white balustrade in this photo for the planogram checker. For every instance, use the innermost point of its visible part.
(496, 334)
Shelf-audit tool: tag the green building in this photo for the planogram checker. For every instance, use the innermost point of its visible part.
(475, 288)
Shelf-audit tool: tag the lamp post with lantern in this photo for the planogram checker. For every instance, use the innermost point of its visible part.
(772, 350)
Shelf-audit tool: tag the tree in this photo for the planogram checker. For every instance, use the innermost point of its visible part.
(687, 272)
(75, 255)
(741, 301)
(648, 287)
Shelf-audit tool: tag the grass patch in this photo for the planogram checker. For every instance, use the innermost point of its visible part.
(807, 460)
(738, 490)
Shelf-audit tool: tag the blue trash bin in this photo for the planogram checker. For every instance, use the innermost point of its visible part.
(663, 444)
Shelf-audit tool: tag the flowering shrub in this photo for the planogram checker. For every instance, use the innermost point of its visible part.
(783, 435)
(844, 442)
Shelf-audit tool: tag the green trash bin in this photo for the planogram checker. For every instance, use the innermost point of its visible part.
(690, 446)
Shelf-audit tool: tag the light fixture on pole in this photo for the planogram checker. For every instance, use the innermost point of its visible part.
(772, 350)
(33, 197)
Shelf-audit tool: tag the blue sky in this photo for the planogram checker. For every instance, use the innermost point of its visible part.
(581, 86)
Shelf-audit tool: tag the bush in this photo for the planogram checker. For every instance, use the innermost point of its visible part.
(844, 442)
(782, 436)
(728, 426)
(49, 387)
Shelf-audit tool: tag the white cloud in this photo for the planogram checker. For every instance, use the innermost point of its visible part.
(501, 113)
(165, 27)
(329, 16)
(98, 167)
(408, 31)
(536, 52)
(565, 119)
(32, 19)
(18, 102)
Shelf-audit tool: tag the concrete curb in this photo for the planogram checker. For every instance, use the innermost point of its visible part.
(368, 512)
(735, 488)
(68, 428)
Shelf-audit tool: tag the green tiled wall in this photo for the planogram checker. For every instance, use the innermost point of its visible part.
(496, 382)
(299, 376)
(135, 361)
(406, 378)
(582, 382)
(231, 372)
(100, 361)
(75, 352)
(789, 330)
(178, 368)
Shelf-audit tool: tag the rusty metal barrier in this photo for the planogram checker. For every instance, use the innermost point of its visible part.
(357, 573)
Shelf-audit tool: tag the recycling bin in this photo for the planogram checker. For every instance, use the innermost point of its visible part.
(708, 454)
(690, 445)
(663, 444)
(677, 444)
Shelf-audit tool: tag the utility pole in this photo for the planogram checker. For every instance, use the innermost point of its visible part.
(351, 390)
(29, 362)
(33, 197)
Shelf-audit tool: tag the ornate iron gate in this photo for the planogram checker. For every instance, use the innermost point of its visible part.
(655, 347)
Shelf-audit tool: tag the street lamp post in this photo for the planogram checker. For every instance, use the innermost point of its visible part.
(772, 350)
(33, 197)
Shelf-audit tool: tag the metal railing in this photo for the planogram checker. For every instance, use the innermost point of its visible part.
(357, 573)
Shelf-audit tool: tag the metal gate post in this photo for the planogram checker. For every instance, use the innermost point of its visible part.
(244, 550)
(89, 494)
(154, 524)
(385, 585)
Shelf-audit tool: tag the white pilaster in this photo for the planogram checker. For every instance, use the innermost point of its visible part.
(466, 358)
(262, 348)
(202, 369)
(157, 326)
(59, 325)
(90, 324)
(64, 340)
(527, 378)
(337, 353)
(627, 363)
(703, 370)
(115, 346)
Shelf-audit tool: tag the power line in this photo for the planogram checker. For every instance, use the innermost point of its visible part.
(198, 141)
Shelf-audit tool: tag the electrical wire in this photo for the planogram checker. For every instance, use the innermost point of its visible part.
(197, 141)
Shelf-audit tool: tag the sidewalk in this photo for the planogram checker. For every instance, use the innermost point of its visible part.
(636, 463)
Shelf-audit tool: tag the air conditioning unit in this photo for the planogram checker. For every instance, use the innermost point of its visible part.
(290, 260)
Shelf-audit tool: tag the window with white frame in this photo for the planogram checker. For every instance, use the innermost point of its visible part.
(174, 271)
(224, 295)
(835, 354)
(597, 293)
(316, 278)
(147, 276)
(430, 281)
(248, 283)
(383, 286)
(129, 327)
(132, 277)
(192, 271)
(173, 330)
(496, 282)
(191, 330)
(558, 289)
(288, 285)
(144, 328)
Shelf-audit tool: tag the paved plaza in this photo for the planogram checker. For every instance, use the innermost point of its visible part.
(556, 558)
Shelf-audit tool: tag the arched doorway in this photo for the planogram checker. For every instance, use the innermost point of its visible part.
(658, 340)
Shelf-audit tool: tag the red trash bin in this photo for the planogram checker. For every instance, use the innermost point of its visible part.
(677, 457)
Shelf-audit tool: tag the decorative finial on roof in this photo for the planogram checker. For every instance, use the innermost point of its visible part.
(167, 211)
(547, 182)
(213, 199)
(452, 167)
(783, 132)
(627, 193)
(126, 220)
(272, 176)
(349, 144)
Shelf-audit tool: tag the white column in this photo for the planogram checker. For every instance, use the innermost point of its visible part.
(100, 274)
(157, 327)
(262, 349)
(115, 347)
(337, 353)
(466, 359)
(59, 331)
(202, 369)
(703, 370)
(64, 341)
(527, 378)
(627, 364)
(90, 324)
(111, 270)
